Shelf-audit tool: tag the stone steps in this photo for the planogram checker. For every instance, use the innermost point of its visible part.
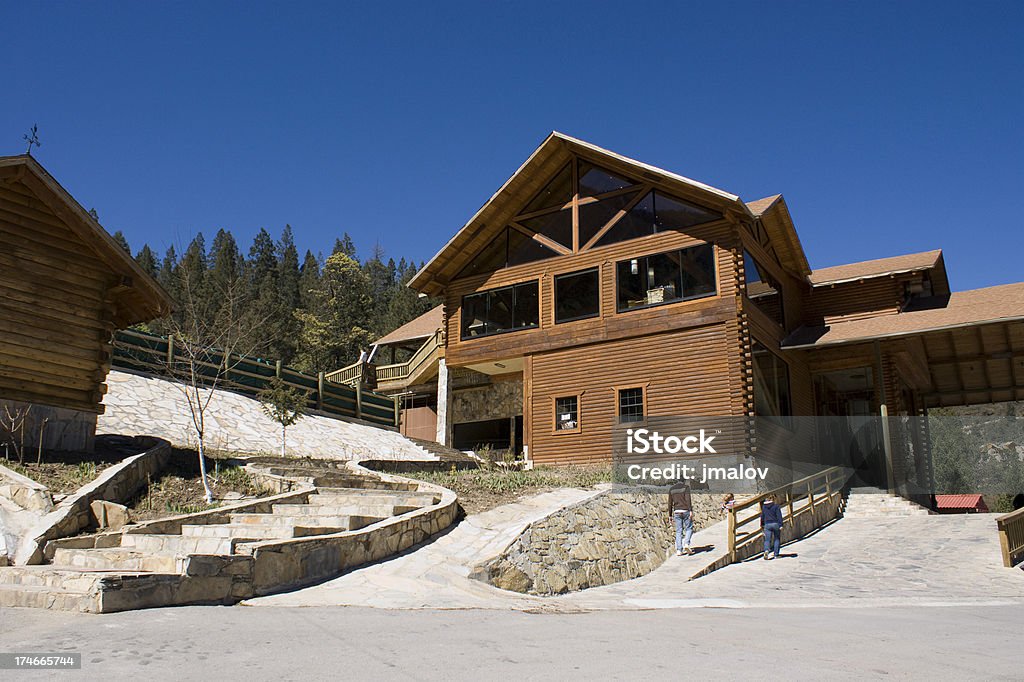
(48, 575)
(866, 505)
(252, 531)
(118, 559)
(45, 597)
(177, 544)
(343, 521)
(368, 496)
(379, 510)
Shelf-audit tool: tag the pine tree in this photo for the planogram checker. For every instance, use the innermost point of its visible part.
(286, 326)
(309, 278)
(147, 260)
(121, 240)
(346, 246)
(334, 328)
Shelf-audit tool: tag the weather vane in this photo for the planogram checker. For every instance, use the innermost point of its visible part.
(32, 138)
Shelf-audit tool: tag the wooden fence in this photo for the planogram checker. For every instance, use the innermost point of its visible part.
(1011, 537)
(156, 354)
(807, 504)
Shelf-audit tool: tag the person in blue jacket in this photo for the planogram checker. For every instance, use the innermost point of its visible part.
(771, 524)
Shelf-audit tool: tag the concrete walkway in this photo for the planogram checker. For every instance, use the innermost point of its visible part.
(920, 561)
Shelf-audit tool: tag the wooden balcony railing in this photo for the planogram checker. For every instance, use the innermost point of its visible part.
(390, 373)
(807, 504)
(1011, 537)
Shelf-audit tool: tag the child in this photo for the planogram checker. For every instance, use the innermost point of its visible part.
(728, 502)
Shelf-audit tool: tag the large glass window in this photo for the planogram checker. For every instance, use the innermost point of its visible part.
(500, 310)
(763, 290)
(772, 397)
(511, 247)
(655, 213)
(665, 277)
(577, 295)
(631, 405)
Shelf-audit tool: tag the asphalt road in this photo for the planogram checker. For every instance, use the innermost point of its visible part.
(239, 643)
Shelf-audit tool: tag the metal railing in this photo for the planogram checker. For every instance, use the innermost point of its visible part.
(1011, 537)
(807, 504)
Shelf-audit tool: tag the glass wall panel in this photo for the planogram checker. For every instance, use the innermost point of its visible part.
(596, 215)
(556, 226)
(557, 193)
(763, 290)
(596, 180)
(522, 249)
(527, 307)
(772, 396)
(673, 214)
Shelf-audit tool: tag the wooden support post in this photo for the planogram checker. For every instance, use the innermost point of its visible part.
(398, 412)
(277, 369)
(320, 391)
(170, 350)
(732, 536)
(359, 401)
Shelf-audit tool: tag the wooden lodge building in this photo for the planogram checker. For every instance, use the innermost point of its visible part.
(592, 288)
(65, 287)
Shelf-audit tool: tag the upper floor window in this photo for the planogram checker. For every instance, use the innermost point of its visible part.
(584, 206)
(577, 295)
(772, 397)
(763, 290)
(501, 310)
(665, 277)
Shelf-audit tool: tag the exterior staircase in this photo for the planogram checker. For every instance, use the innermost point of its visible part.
(873, 503)
(215, 556)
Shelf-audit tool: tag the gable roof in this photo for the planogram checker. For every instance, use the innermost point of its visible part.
(137, 297)
(1004, 303)
(552, 154)
(879, 267)
(419, 328)
(759, 206)
(773, 212)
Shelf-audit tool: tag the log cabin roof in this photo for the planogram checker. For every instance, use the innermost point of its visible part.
(137, 296)
(1003, 303)
(548, 159)
(879, 267)
(419, 328)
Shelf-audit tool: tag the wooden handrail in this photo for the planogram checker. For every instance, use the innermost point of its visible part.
(819, 490)
(402, 370)
(1011, 536)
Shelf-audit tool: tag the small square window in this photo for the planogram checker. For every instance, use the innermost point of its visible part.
(567, 413)
(631, 405)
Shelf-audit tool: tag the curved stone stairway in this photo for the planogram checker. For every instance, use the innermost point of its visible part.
(337, 520)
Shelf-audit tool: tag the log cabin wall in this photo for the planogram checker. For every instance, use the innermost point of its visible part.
(688, 351)
(56, 319)
(846, 301)
(684, 372)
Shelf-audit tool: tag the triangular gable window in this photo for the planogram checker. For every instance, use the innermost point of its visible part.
(655, 213)
(556, 194)
(596, 215)
(511, 247)
(596, 180)
(556, 226)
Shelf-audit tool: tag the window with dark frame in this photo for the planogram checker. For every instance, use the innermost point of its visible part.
(631, 405)
(577, 295)
(763, 290)
(772, 396)
(567, 413)
(665, 277)
(504, 309)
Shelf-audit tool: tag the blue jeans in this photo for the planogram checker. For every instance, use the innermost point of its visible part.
(684, 524)
(772, 538)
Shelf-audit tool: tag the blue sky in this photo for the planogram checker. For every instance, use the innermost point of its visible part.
(890, 127)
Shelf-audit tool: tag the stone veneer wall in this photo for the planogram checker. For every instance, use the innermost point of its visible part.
(114, 484)
(497, 400)
(617, 535)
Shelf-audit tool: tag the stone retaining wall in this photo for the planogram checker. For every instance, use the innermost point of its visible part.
(24, 492)
(617, 535)
(114, 484)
